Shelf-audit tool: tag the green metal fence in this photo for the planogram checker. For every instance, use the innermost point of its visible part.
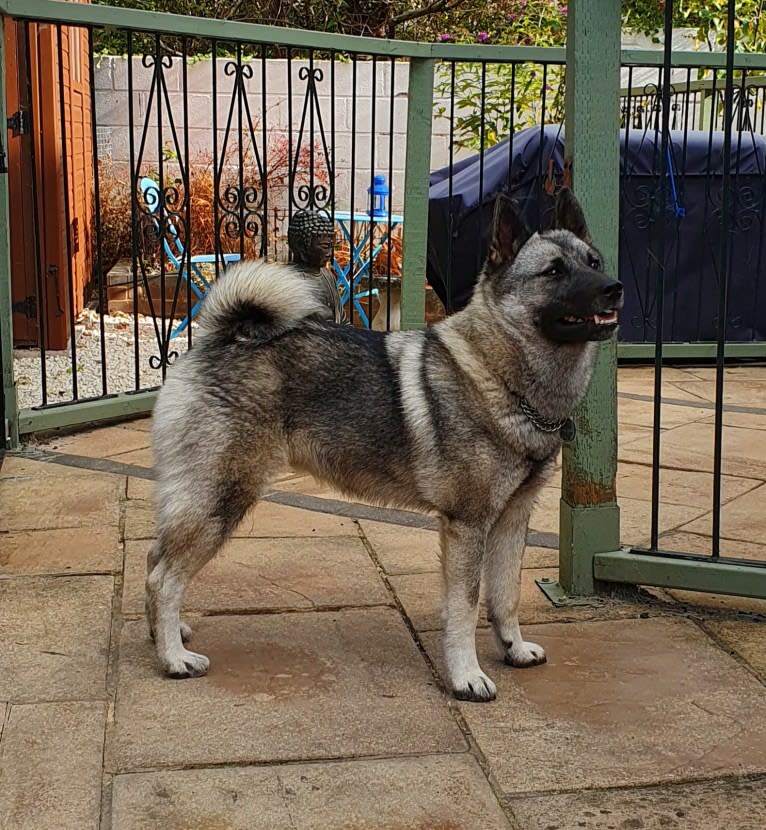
(590, 543)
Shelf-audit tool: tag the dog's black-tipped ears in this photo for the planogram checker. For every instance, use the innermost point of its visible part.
(569, 215)
(508, 235)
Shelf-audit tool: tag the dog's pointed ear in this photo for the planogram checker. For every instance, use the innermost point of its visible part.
(569, 215)
(508, 235)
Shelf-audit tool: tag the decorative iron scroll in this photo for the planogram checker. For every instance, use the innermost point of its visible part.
(313, 194)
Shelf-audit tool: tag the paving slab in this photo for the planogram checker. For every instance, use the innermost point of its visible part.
(265, 520)
(54, 637)
(746, 420)
(282, 687)
(698, 603)
(102, 442)
(68, 551)
(635, 513)
(144, 423)
(402, 550)
(745, 638)
(740, 374)
(140, 488)
(307, 485)
(50, 774)
(619, 703)
(677, 486)
(691, 448)
(22, 466)
(751, 392)
(641, 413)
(74, 500)
(421, 594)
(143, 458)
(423, 793)
(643, 376)
(742, 518)
(633, 435)
(685, 542)
(545, 515)
(407, 550)
(636, 518)
(270, 574)
(710, 805)
(537, 557)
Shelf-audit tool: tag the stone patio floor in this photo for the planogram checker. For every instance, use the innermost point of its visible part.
(325, 706)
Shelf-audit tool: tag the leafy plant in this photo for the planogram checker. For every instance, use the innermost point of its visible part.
(514, 96)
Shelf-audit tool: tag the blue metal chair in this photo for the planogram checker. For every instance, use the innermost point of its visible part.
(173, 250)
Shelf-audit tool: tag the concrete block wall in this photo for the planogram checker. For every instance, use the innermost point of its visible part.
(201, 106)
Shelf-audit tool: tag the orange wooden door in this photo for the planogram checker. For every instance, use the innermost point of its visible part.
(21, 189)
(55, 176)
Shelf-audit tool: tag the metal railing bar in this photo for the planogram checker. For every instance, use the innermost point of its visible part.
(102, 304)
(739, 577)
(65, 156)
(692, 60)
(133, 214)
(723, 281)
(84, 411)
(660, 293)
(391, 118)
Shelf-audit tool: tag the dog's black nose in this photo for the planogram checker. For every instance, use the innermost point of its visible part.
(613, 290)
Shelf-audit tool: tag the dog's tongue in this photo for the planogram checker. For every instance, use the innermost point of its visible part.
(606, 318)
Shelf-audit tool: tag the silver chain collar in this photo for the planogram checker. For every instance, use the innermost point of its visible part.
(565, 426)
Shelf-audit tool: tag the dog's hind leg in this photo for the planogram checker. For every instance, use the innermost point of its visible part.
(502, 571)
(462, 554)
(187, 540)
(178, 554)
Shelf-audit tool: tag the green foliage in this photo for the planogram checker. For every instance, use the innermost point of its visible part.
(708, 17)
(514, 97)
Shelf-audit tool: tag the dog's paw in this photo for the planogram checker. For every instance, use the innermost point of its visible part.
(186, 664)
(186, 632)
(523, 655)
(476, 687)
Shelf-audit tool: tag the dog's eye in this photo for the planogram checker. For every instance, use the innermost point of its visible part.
(594, 262)
(553, 271)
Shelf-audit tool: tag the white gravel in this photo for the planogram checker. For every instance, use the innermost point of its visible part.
(120, 373)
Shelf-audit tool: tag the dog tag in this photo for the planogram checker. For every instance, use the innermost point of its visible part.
(568, 430)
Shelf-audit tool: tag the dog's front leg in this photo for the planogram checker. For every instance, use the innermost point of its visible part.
(462, 554)
(502, 570)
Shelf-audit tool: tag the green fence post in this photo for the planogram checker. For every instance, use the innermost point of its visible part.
(6, 327)
(420, 115)
(590, 518)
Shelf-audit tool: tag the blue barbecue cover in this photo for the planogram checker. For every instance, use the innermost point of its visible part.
(675, 220)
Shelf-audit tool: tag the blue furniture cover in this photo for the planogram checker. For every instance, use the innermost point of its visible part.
(676, 221)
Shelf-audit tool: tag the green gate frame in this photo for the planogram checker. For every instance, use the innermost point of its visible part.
(589, 536)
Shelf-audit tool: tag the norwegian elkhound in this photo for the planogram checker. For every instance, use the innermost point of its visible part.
(464, 419)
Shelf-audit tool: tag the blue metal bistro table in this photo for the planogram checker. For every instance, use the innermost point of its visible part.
(376, 231)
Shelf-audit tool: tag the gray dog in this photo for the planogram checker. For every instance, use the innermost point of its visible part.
(467, 416)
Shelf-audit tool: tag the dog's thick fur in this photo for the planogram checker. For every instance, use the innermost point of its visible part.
(428, 420)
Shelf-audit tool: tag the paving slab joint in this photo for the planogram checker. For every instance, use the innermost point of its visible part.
(473, 745)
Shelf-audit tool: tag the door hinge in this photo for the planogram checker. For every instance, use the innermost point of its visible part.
(18, 123)
(27, 307)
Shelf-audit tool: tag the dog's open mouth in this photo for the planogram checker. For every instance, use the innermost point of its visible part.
(603, 318)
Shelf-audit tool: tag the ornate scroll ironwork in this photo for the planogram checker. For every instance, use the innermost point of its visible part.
(312, 194)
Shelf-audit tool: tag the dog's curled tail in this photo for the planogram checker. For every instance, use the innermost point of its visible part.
(256, 300)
